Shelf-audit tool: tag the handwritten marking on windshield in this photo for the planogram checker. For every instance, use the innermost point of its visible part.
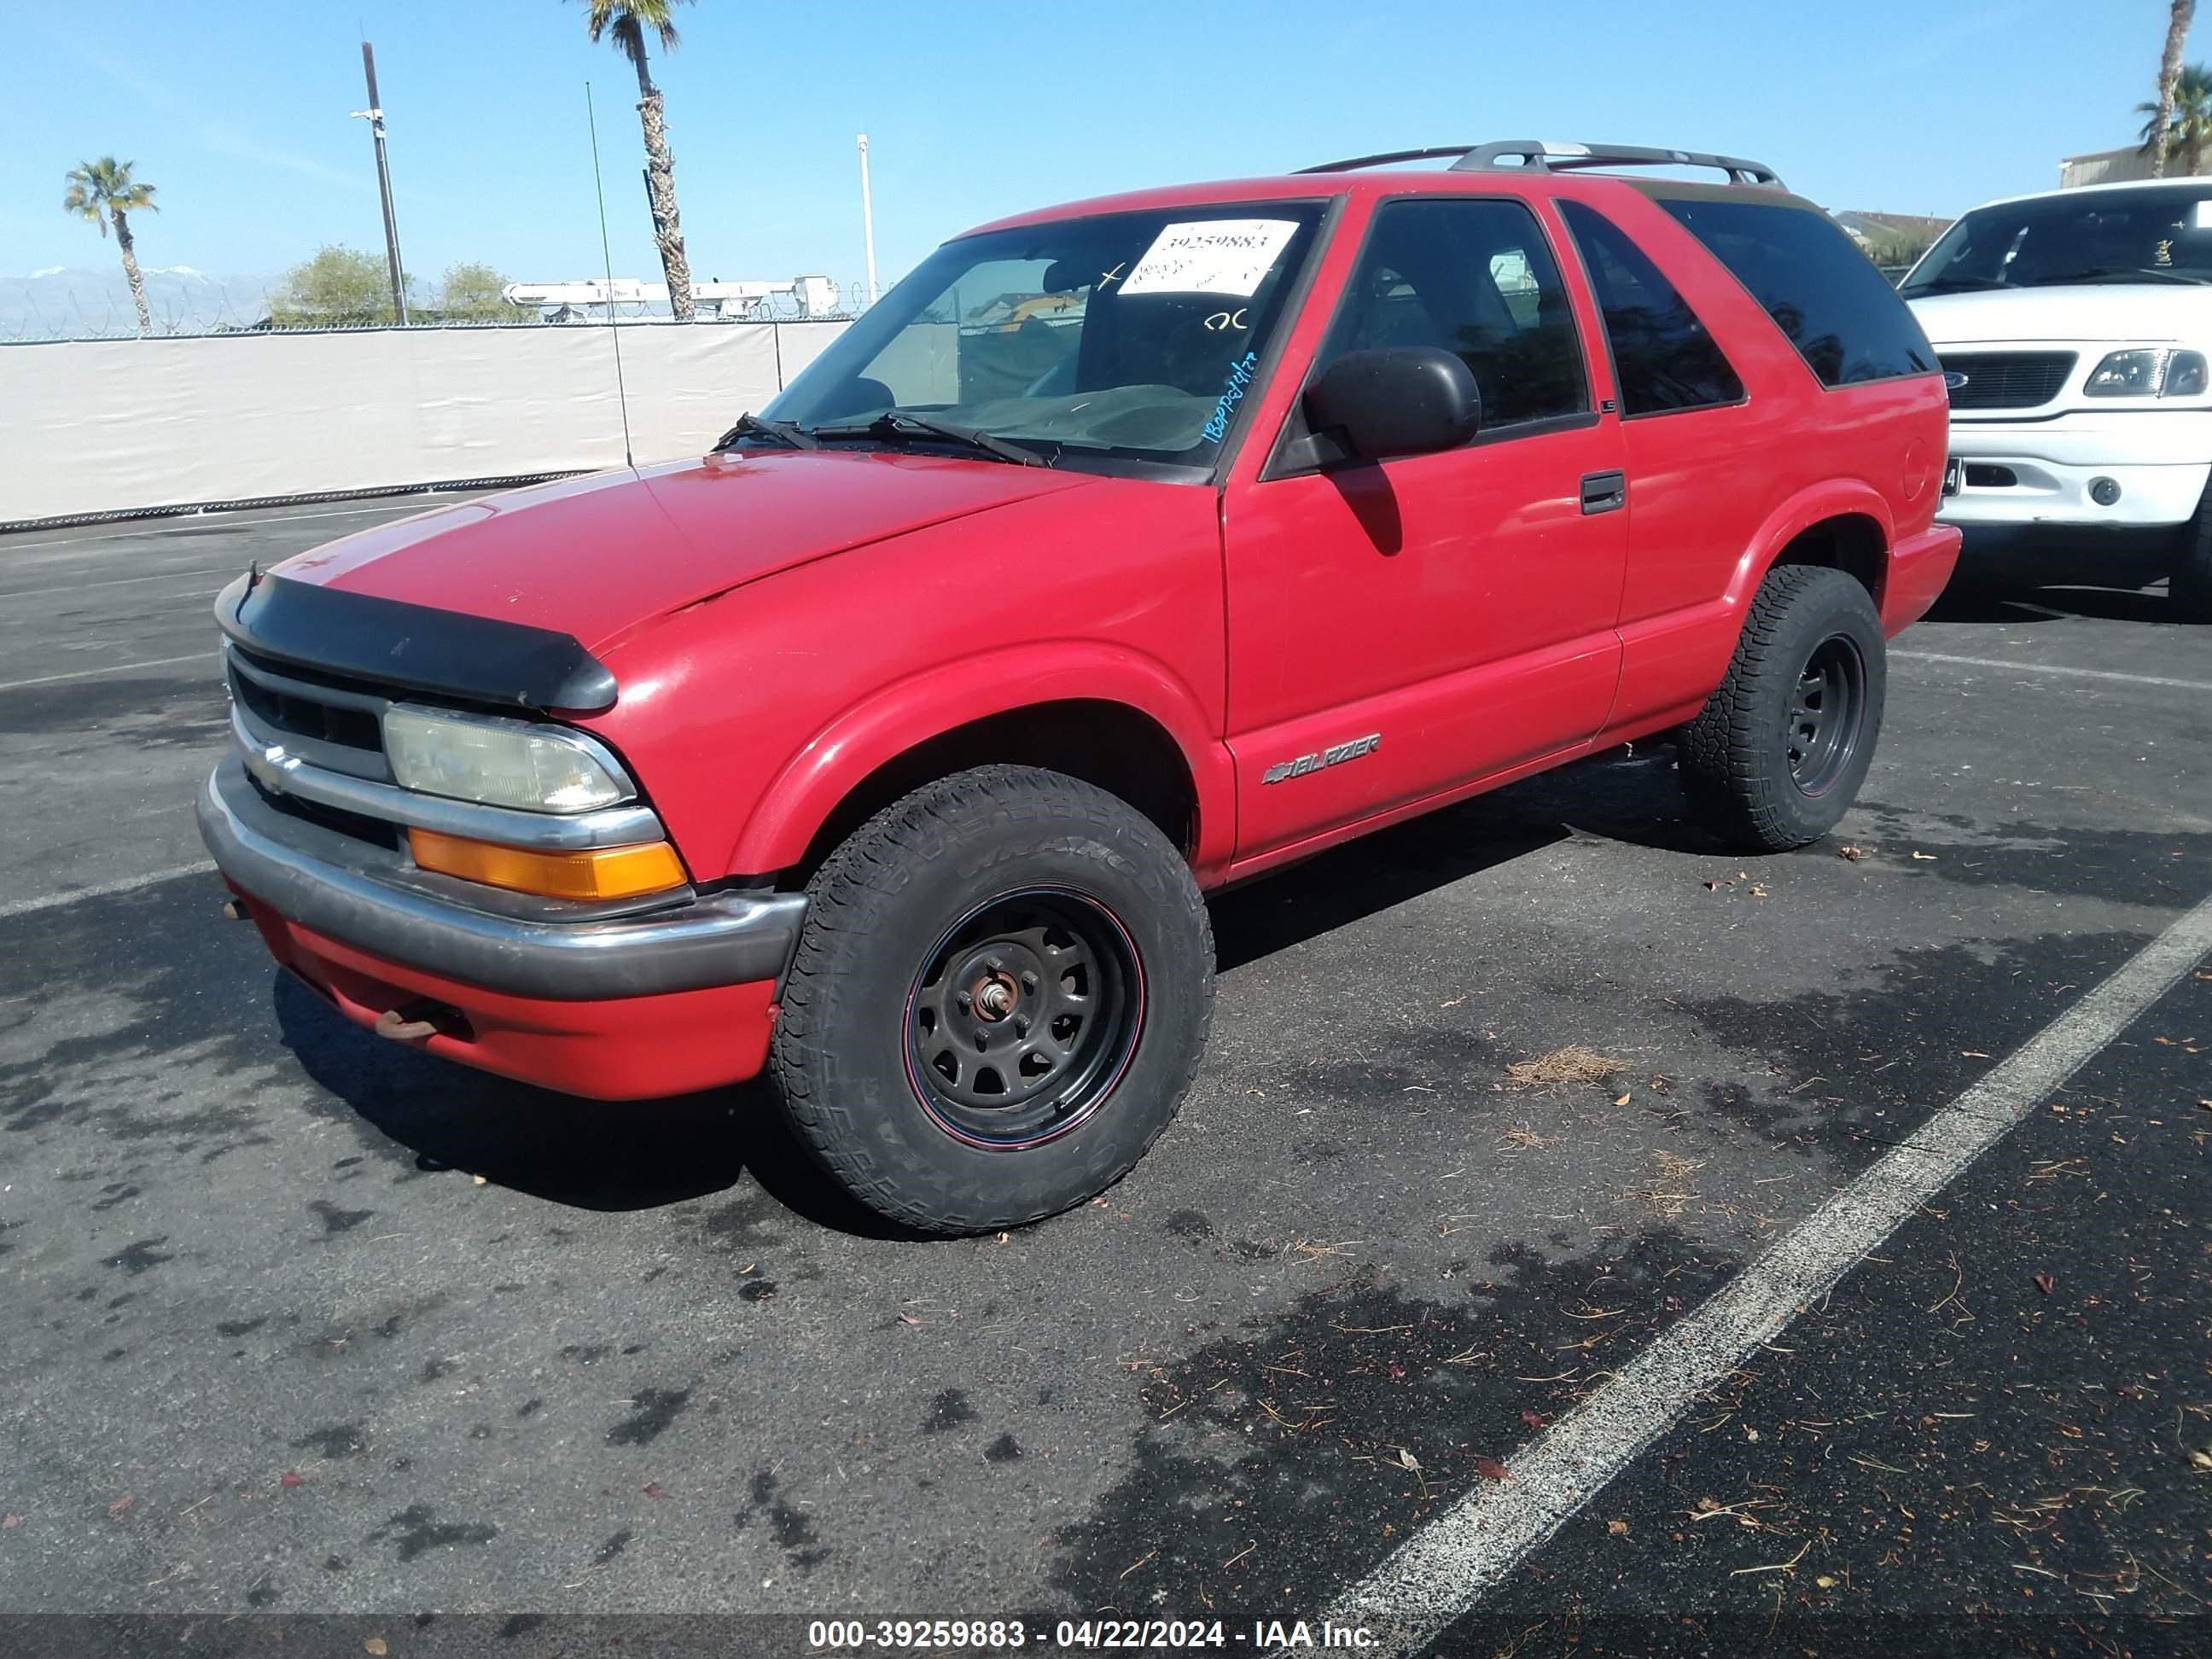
(1240, 377)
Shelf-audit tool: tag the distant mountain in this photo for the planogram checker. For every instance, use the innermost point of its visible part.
(62, 303)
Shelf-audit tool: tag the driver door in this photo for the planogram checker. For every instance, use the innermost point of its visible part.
(1401, 630)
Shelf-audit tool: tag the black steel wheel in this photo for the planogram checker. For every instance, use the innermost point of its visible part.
(1827, 714)
(1022, 1019)
(1777, 753)
(999, 1000)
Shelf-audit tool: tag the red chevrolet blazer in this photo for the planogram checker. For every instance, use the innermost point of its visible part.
(1122, 550)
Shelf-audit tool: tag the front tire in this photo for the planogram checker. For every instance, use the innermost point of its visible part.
(1776, 758)
(2189, 586)
(999, 998)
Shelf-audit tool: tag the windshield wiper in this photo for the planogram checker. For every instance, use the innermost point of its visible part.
(2117, 274)
(901, 422)
(759, 426)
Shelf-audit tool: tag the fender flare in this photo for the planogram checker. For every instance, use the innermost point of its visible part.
(1831, 498)
(896, 718)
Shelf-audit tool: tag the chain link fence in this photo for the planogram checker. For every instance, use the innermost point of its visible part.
(77, 305)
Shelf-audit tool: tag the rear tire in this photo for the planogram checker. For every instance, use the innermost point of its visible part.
(2189, 587)
(999, 998)
(1776, 758)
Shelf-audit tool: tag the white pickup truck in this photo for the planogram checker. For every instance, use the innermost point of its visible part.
(2073, 329)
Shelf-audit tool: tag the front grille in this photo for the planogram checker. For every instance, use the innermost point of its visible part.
(2007, 380)
(284, 703)
(377, 832)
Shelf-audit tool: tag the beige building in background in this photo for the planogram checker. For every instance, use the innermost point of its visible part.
(2105, 166)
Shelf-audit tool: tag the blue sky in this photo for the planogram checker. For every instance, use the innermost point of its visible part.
(240, 112)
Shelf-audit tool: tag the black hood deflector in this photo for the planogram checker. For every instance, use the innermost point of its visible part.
(413, 647)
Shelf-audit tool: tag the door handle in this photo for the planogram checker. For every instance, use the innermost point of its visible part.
(1604, 492)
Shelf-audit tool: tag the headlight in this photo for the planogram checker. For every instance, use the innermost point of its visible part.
(2143, 372)
(498, 763)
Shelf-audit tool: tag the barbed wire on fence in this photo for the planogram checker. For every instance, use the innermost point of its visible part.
(60, 306)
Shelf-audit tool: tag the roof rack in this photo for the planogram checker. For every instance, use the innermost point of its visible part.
(1389, 156)
(1536, 155)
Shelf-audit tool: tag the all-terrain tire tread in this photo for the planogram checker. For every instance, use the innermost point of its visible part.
(1729, 765)
(873, 858)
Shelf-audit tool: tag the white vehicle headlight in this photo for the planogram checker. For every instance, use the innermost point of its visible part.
(497, 762)
(2186, 375)
(2144, 372)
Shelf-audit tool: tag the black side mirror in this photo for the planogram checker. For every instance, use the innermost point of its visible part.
(1398, 400)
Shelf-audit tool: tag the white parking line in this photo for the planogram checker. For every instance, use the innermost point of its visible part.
(1448, 1566)
(101, 890)
(2053, 668)
(111, 668)
(402, 504)
(225, 571)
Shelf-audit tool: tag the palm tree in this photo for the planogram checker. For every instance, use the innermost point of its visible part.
(628, 22)
(2160, 134)
(104, 190)
(2184, 128)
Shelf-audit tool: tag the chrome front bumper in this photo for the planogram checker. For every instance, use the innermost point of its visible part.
(375, 901)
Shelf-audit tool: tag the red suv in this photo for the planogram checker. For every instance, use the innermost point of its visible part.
(1123, 550)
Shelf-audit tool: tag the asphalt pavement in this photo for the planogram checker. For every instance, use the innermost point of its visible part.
(300, 1323)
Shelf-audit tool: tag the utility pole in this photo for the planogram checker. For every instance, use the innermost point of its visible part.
(867, 219)
(375, 116)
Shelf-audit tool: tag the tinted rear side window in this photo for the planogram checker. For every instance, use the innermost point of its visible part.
(1662, 355)
(1840, 312)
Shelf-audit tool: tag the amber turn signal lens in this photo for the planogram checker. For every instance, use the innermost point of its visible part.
(598, 872)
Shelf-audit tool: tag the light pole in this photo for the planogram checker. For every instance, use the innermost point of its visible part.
(375, 116)
(867, 219)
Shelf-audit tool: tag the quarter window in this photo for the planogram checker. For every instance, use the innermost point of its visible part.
(1665, 359)
(1845, 320)
(1476, 279)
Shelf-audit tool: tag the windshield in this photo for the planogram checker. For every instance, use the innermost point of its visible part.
(2159, 236)
(1118, 342)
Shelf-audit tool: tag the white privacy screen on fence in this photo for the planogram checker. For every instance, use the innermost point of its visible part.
(114, 426)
